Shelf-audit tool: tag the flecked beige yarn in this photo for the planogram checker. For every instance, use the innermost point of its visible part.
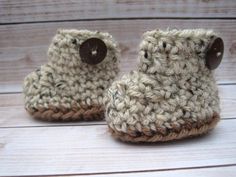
(172, 95)
(66, 88)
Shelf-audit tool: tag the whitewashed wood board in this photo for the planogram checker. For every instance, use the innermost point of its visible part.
(15, 11)
(90, 149)
(199, 172)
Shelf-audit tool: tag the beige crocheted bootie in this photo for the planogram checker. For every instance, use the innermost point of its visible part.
(173, 93)
(81, 66)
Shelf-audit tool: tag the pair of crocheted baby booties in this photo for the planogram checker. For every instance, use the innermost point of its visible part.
(171, 95)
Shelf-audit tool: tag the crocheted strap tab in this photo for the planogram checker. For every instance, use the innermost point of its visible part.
(214, 53)
(93, 51)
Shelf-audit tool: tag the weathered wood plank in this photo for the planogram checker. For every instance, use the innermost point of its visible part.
(14, 114)
(201, 172)
(85, 149)
(23, 47)
(228, 101)
(39, 10)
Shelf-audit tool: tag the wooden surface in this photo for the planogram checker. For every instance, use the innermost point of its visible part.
(33, 147)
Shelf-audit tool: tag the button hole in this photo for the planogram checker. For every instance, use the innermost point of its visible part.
(94, 52)
(218, 54)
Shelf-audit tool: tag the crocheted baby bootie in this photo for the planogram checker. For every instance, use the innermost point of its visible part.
(173, 93)
(81, 66)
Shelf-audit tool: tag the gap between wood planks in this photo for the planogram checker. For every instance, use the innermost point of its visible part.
(119, 19)
(143, 171)
(76, 124)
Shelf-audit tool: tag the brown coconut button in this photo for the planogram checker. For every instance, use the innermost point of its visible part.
(214, 53)
(93, 51)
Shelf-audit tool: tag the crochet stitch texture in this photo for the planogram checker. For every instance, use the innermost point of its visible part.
(172, 94)
(66, 88)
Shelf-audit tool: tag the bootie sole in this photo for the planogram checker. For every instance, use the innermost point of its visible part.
(53, 113)
(186, 130)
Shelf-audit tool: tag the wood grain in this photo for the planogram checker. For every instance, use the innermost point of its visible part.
(228, 101)
(200, 172)
(14, 114)
(84, 149)
(23, 47)
(40, 10)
